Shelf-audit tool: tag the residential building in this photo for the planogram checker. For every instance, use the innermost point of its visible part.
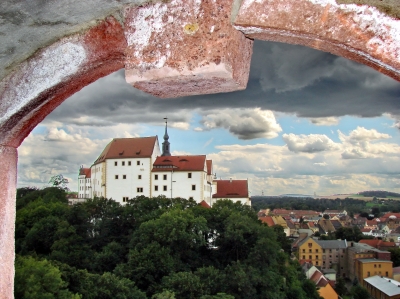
(325, 254)
(371, 267)
(324, 285)
(357, 251)
(382, 287)
(235, 190)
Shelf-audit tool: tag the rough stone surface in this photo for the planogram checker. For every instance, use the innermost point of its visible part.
(29, 25)
(51, 49)
(357, 32)
(183, 48)
(54, 74)
(8, 185)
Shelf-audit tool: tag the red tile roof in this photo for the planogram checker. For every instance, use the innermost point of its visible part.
(204, 204)
(377, 243)
(180, 163)
(231, 189)
(372, 222)
(85, 171)
(267, 220)
(209, 167)
(122, 148)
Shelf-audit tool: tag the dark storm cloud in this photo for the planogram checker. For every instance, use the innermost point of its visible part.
(284, 78)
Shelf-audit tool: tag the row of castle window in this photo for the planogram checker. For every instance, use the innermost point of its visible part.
(155, 176)
(123, 163)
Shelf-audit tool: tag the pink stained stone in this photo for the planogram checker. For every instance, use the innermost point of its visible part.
(184, 48)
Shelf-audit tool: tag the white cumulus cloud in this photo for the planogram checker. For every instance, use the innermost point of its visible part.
(312, 143)
(244, 123)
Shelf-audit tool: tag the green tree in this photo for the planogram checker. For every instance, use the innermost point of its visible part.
(39, 279)
(395, 256)
(359, 292)
(340, 287)
(164, 295)
(59, 181)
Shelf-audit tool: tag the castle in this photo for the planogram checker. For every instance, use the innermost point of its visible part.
(131, 167)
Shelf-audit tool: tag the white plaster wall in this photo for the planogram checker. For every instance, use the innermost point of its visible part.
(119, 188)
(181, 184)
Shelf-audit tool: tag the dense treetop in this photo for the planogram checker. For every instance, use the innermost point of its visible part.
(149, 248)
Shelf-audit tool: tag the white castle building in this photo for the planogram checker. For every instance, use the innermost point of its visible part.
(131, 167)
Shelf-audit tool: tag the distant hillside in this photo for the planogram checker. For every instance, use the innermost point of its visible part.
(380, 194)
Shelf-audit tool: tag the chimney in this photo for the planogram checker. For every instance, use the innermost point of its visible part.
(230, 180)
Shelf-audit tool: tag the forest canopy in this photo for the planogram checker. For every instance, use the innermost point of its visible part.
(149, 248)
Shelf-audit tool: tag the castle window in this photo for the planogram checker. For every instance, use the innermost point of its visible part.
(165, 188)
(124, 176)
(115, 163)
(129, 163)
(156, 176)
(189, 175)
(139, 177)
(155, 188)
(193, 187)
(137, 162)
(139, 189)
(116, 176)
(123, 163)
(164, 177)
(125, 198)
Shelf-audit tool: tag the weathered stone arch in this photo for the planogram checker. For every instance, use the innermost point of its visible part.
(37, 85)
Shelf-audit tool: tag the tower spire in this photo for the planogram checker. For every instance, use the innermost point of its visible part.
(165, 144)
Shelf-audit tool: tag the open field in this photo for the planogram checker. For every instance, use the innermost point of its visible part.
(355, 196)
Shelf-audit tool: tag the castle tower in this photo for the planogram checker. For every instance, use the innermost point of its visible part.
(165, 144)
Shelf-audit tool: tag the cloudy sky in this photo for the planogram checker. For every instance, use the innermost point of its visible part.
(308, 122)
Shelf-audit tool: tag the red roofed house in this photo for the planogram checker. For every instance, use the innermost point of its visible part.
(324, 286)
(131, 167)
(235, 190)
(85, 190)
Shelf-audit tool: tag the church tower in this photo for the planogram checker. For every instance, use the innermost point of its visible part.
(165, 144)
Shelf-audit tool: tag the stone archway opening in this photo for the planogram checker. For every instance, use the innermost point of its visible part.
(39, 84)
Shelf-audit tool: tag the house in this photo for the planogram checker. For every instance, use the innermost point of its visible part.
(325, 226)
(379, 244)
(323, 253)
(132, 167)
(235, 190)
(370, 267)
(276, 220)
(324, 286)
(382, 287)
(357, 251)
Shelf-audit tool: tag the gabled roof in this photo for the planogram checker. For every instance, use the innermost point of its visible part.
(326, 225)
(204, 204)
(388, 286)
(332, 244)
(179, 163)
(231, 189)
(122, 148)
(267, 220)
(377, 243)
(86, 172)
(336, 224)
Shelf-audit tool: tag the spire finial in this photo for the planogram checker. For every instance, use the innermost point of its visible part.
(165, 144)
